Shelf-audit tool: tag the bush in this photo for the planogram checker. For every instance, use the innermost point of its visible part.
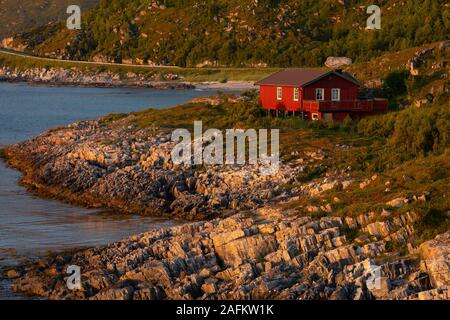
(351, 233)
(431, 223)
(412, 131)
(395, 84)
(422, 131)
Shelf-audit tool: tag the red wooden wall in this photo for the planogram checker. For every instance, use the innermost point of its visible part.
(349, 90)
(268, 97)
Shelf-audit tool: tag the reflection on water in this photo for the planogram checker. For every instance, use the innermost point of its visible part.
(31, 227)
(6, 292)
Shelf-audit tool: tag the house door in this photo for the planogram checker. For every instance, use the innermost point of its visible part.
(327, 116)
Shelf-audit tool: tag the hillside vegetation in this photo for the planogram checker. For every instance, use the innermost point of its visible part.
(277, 33)
(413, 76)
(19, 16)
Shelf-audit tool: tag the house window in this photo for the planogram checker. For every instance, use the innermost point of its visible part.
(320, 93)
(279, 93)
(296, 94)
(336, 94)
(315, 116)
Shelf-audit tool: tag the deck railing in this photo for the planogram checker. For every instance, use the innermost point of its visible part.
(374, 105)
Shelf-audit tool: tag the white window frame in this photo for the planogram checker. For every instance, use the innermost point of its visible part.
(315, 116)
(279, 93)
(296, 94)
(322, 91)
(333, 91)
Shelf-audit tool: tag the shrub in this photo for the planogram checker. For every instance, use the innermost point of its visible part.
(412, 131)
(431, 223)
(351, 233)
(395, 84)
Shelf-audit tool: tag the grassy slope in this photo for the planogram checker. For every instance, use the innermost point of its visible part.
(379, 67)
(399, 86)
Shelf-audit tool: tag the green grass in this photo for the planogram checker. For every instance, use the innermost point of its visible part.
(113, 117)
(432, 222)
(227, 115)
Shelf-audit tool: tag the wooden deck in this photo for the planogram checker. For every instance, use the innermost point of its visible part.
(374, 105)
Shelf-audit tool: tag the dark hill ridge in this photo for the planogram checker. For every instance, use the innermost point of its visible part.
(18, 16)
(240, 33)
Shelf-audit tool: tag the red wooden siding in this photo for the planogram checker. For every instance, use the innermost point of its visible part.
(349, 90)
(268, 97)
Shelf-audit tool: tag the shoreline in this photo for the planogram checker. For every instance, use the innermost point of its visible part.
(242, 257)
(163, 85)
(65, 195)
(86, 164)
(262, 248)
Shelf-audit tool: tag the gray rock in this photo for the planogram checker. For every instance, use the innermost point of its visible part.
(338, 62)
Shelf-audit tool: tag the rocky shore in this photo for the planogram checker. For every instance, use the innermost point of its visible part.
(75, 77)
(244, 242)
(121, 166)
(258, 254)
(107, 79)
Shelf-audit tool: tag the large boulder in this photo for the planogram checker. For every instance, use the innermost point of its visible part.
(244, 249)
(115, 294)
(7, 42)
(435, 254)
(338, 62)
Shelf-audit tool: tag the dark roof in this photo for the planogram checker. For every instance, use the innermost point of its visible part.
(302, 77)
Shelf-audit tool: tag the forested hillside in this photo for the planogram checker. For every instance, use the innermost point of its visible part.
(278, 33)
(18, 16)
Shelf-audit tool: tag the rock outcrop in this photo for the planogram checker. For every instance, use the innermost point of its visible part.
(262, 254)
(76, 77)
(436, 260)
(338, 62)
(122, 166)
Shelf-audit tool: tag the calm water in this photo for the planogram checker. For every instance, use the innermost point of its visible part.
(31, 227)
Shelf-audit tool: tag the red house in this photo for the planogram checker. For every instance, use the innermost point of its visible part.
(317, 94)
